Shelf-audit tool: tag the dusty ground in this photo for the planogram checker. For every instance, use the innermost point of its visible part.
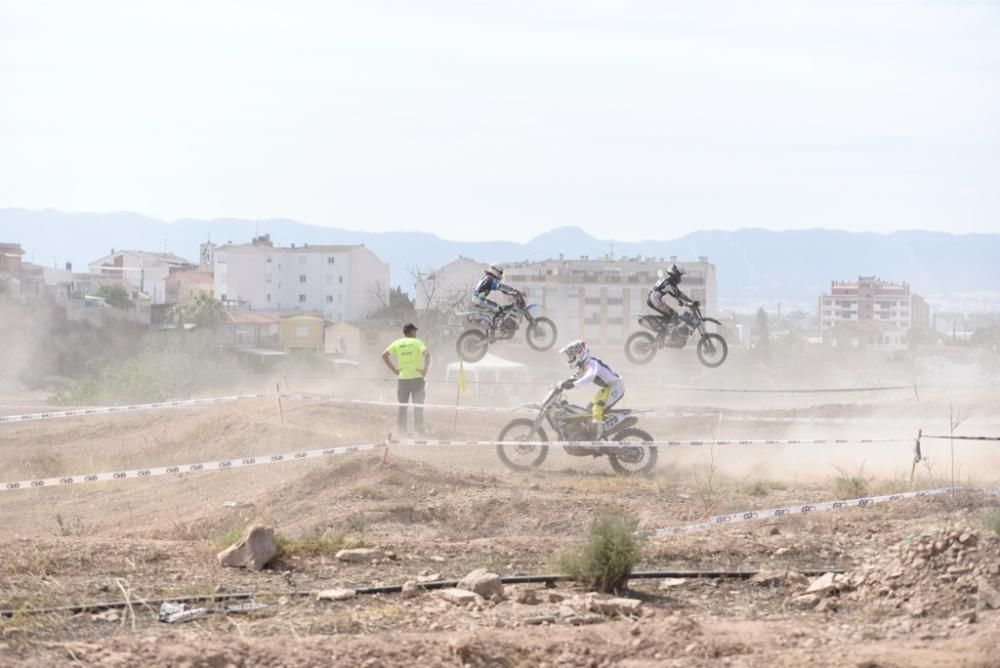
(444, 511)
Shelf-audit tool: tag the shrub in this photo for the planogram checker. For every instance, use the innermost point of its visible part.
(605, 561)
(847, 486)
(992, 521)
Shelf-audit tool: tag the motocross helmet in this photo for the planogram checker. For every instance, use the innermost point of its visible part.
(495, 270)
(577, 354)
(674, 274)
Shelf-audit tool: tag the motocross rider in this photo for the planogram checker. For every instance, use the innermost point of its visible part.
(587, 369)
(492, 280)
(667, 285)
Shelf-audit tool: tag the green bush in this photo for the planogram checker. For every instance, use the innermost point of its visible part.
(167, 365)
(605, 561)
(992, 521)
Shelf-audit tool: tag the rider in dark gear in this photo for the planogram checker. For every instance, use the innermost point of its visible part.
(667, 285)
(492, 280)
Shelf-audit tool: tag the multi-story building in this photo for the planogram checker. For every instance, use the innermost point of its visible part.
(341, 282)
(870, 299)
(142, 271)
(599, 299)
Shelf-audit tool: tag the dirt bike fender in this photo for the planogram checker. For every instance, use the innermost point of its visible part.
(712, 320)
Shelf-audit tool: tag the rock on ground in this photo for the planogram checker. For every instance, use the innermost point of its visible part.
(335, 594)
(361, 554)
(253, 551)
(459, 596)
(482, 582)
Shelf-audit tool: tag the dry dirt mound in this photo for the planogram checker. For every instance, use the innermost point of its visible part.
(942, 574)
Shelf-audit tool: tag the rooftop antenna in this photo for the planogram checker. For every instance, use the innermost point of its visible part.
(612, 250)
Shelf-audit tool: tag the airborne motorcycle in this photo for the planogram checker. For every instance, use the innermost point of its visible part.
(641, 347)
(572, 423)
(473, 343)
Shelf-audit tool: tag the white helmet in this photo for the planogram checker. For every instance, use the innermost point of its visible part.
(495, 270)
(577, 354)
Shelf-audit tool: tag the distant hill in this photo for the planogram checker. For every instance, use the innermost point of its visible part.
(753, 265)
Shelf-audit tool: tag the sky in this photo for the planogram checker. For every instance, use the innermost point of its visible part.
(484, 120)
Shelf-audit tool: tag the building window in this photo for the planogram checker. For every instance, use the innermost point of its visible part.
(340, 279)
(329, 260)
(269, 259)
(269, 299)
(302, 299)
(302, 278)
(269, 278)
(329, 299)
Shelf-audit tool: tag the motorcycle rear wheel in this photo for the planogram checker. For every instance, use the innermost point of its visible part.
(512, 456)
(472, 345)
(640, 348)
(637, 460)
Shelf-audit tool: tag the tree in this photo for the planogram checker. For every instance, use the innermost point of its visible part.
(393, 306)
(206, 312)
(115, 295)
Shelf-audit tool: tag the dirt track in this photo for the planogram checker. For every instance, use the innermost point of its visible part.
(446, 511)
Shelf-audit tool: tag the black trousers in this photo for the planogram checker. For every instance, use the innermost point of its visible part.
(407, 388)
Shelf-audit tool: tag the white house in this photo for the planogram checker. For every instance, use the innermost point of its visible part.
(141, 270)
(342, 282)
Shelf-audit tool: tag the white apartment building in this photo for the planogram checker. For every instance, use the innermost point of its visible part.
(143, 271)
(342, 282)
(600, 299)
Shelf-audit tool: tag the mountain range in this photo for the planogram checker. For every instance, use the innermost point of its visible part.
(752, 265)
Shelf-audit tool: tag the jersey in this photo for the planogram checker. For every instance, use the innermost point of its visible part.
(409, 354)
(662, 288)
(597, 372)
(488, 284)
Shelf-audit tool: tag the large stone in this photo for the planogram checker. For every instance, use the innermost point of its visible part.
(768, 578)
(482, 582)
(335, 594)
(614, 606)
(823, 586)
(410, 589)
(459, 596)
(988, 596)
(253, 551)
(805, 601)
(361, 554)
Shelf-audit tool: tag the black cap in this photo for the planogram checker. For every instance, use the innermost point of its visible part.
(409, 327)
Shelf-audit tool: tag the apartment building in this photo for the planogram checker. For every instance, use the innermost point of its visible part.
(600, 299)
(894, 306)
(341, 282)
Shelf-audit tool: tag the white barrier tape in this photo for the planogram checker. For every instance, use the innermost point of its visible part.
(104, 410)
(219, 465)
(751, 515)
(714, 415)
(659, 444)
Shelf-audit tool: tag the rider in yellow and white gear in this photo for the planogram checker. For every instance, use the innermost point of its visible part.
(589, 369)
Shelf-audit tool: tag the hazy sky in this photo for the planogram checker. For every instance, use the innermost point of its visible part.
(484, 120)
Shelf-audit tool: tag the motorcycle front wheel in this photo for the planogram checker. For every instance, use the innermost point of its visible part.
(541, 334)
(522, 457)
(472, 345)
(712, 350)
(632, 460)
(640, 348)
